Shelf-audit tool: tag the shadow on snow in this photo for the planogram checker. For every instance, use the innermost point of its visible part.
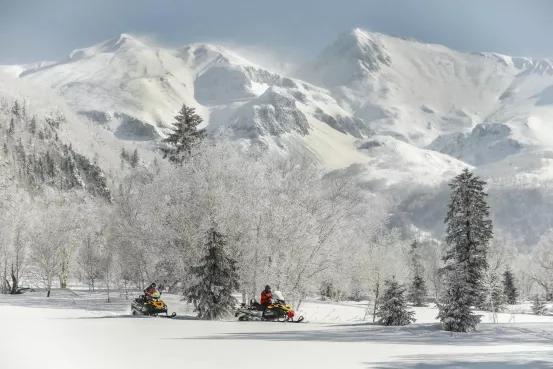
(522, 360)
(419, 334)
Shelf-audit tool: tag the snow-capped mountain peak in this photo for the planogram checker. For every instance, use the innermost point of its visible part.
(124, 42)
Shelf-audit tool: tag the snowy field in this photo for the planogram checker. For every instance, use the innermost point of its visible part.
(79, 331)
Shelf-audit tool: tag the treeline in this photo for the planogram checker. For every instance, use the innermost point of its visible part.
(276, 220)
(37, 158)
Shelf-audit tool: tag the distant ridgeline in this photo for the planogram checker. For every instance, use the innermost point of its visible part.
(32, 151)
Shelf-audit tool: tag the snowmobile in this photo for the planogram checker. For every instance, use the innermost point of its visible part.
(277, 311)
(150, 306)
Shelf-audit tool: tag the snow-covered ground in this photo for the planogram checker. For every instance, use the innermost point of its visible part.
(80, 331)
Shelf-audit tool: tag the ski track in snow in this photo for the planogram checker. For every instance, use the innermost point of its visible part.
(84, 332)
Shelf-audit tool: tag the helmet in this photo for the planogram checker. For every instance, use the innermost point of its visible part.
(267, 288)
(153, 285)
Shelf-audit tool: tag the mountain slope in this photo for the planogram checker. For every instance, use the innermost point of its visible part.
(419, 91)
(398, 116)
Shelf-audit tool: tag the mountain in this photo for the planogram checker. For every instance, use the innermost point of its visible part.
(420, 91)
(135, 89)
(399, 116)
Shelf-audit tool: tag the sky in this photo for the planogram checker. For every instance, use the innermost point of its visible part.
(35, 30)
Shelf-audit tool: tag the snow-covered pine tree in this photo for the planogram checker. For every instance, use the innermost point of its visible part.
(393, 308)
(455, 306)
(538, 305)
(185, 135)
(509, 289)
(216, 278)
(469, 231)
(134, 159)
(417, 288)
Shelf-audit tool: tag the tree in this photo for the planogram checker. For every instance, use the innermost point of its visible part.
(393, 307)
(89, 260)
(217, 279)
(493, 299)
(18, 260)
(509, 289)
(107, 266)
(417, 288)
(455, 311)
(134, 159)
(538, 306)
(469, 231)
(45, 257)
(185, 135)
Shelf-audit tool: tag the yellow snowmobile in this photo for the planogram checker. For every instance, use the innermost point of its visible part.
(150, 306)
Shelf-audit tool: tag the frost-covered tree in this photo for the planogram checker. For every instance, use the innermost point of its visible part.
(538, 305)
(417, 287)
(541, 271)
(217, 279)
(89, 261)
(469, 231)
(185, 135)
(393, 309)
(509, 289)
(493, 297)
(455, 312)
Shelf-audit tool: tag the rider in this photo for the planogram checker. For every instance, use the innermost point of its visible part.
(151, 291)
(266, 297)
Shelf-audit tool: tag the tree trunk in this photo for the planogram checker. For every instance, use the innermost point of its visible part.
(15, 283)
(107, 287)
(376, 296)
(126, 289)
(63, 282)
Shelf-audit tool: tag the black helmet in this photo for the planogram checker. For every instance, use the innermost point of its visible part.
(267, 288)
(153, 284)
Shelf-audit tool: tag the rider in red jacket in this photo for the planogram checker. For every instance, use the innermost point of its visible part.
(266, 297)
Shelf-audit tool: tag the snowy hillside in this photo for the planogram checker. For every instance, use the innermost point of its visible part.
(420, 91)
(399, 116)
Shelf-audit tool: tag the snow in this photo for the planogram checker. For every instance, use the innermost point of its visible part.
(79, 330)
(373, 105)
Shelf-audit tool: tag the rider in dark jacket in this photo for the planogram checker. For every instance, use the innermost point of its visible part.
(150, 291)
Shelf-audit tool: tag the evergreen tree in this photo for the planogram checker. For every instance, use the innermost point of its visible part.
(393, 307)
(509, 288)
(216, 278)
(185, 135)
(417, 288)
(455, 312)
(32, 126)
(134, 160)
(538, 306)
(469, 231)
(11, 129)
(124, 155)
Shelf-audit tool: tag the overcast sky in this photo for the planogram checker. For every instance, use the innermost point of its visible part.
(32, 30)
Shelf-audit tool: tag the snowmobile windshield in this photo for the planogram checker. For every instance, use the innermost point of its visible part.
(156, 295)
(277, 295)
